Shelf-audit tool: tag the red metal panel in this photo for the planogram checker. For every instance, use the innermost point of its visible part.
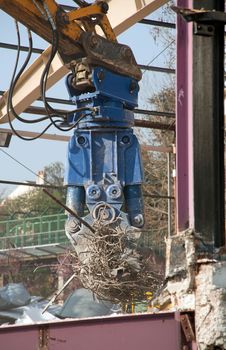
(19, 338)
(130, 332)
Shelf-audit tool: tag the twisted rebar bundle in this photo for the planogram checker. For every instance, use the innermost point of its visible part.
(111, 266)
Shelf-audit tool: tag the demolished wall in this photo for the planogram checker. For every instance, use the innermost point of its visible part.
(197, 283)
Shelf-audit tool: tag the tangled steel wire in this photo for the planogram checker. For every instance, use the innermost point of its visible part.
(111, 266)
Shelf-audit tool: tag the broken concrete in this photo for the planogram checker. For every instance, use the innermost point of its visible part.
(180, 272)
(196, 282)
(210, 306)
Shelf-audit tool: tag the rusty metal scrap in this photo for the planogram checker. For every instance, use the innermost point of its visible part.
(112, 267)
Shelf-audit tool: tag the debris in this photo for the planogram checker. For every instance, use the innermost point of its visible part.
(18, 307)
(109, 264)
(82, 303)
(13, 295)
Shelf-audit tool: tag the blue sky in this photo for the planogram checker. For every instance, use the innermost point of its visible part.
(36, 154)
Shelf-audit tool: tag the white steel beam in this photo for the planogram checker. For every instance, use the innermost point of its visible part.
(28, 87)
(122, 15)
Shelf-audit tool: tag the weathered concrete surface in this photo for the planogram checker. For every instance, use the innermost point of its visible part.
(210, 306)
(180, 273)
(198, 285)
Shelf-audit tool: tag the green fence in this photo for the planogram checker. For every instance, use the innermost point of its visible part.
(33, 231)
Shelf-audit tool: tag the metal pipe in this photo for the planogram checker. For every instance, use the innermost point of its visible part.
(158, 23)
(42, 111)
(137, 122)
(71, 212)
(154, 113)
(22, 48)
(153, 125)
(157, 69)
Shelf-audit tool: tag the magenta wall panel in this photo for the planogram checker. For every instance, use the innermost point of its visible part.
(184, 161)
(133, 332)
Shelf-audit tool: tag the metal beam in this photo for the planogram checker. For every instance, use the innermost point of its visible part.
(208, 130)
(150, 22)
(200, 128)
(22, 47)
(154, 125)
(154, 113)
(125, 16)
(36, 50)
(51, 99)
(27, 91)
(42, 111)
(56, 137)
(46, 136)
(184, 177)
(157, 69)
(162, 24)
(145, 331)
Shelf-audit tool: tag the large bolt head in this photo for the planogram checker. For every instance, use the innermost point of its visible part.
(93, 192)
(81, 140)
(114, 191)
(126, 52)
(93, 41)
(138, 220)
